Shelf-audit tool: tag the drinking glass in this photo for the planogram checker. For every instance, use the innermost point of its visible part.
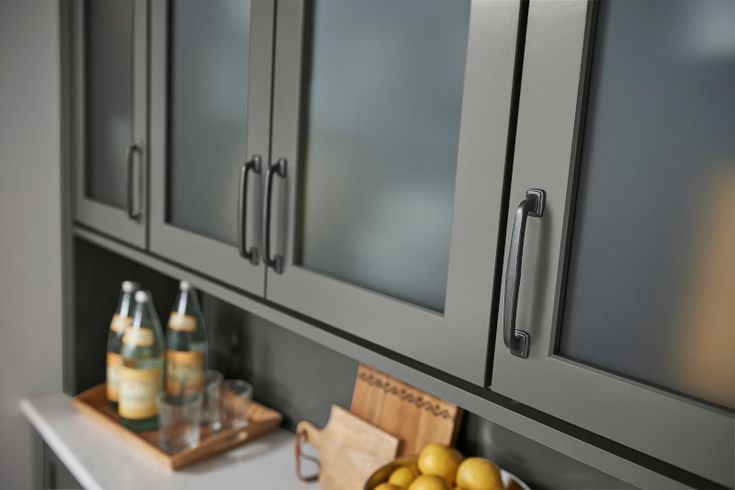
(211, 411)
(235, 398)
(178, 420)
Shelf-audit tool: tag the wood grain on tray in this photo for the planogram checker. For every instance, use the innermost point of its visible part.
(262, 420)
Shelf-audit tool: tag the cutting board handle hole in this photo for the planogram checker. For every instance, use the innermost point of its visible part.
(301, 438)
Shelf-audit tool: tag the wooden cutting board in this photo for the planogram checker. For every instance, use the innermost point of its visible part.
(350, 449)
(414, 416)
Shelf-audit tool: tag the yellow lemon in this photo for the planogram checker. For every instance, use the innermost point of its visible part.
(388, 486)
(429, 482)
(439, 460)
(403, 476)
(479, 474)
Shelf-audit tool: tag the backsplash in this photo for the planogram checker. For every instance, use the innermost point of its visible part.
(294, 375)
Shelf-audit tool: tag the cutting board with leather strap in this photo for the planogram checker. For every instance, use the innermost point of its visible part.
(414, 416)
(350, 450)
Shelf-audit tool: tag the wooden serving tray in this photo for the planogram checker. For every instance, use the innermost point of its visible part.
(94, 404)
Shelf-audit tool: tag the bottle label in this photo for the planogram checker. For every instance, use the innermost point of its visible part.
(182, 323)
(120, 323)
(184, 371)
(138, 390)
(114, 362)
(141, 337)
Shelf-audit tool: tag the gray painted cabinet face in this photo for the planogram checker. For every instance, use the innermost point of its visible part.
(627, 280)
(210, 113)
(392, 118)
(109, 114)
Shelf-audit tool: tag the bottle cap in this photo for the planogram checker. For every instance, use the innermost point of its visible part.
(184, 285)
(142, 296)
(130, 286)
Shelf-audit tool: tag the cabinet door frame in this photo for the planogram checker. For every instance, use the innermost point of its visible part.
(212, 257)
(457, 340)
(672, 428)
(102, 217)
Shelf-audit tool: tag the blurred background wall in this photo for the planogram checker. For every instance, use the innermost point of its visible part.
(30, 226)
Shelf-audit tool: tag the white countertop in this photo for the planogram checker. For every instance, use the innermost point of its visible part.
(100, 459)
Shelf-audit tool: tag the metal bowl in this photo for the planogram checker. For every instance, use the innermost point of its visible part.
(383, 473)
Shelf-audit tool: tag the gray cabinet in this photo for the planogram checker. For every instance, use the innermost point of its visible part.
(625, 287)
(390, 125)
(347, 161)
(210, 130)
(386, 150)
(110, 117)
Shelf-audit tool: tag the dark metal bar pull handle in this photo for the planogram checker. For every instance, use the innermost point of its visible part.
(274, 169)
(533, 205)
(133, 208)
(250, 254)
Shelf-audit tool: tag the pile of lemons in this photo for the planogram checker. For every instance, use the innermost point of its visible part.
(443, 468)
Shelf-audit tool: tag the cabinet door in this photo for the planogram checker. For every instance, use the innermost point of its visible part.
(55, 473)
(390, 125)
(626, 121)
(210, 123)
(109, 150)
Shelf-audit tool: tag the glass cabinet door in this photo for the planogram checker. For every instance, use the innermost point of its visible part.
(390, 125)
(628, 280)
(210, 117)
(109, 150)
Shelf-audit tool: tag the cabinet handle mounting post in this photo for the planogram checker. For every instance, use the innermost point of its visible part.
(533, 205)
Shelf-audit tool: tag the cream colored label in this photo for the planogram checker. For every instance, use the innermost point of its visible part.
(184, 371)
(114, 362)
(142, 337)
(120, 323)
(138, 390)
(182, 323)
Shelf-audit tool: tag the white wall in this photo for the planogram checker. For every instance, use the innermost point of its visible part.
(30, 224)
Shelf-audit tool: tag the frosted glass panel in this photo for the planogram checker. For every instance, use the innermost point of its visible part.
(108, 92)
(384, 99)
(651, 284)
(209, 46)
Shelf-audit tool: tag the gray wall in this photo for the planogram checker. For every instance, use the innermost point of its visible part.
(30, 224)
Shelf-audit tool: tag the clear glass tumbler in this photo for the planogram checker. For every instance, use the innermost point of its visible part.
(211, 407)
(179, 418)
(235, 398)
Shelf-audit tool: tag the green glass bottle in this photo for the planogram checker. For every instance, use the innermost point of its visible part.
(141, 374)
(186, 343)
(121, 320)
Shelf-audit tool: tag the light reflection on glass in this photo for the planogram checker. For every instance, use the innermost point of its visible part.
(703, 345)
(209, 50)
(382, 129)
(108, 95)
(650, 286)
